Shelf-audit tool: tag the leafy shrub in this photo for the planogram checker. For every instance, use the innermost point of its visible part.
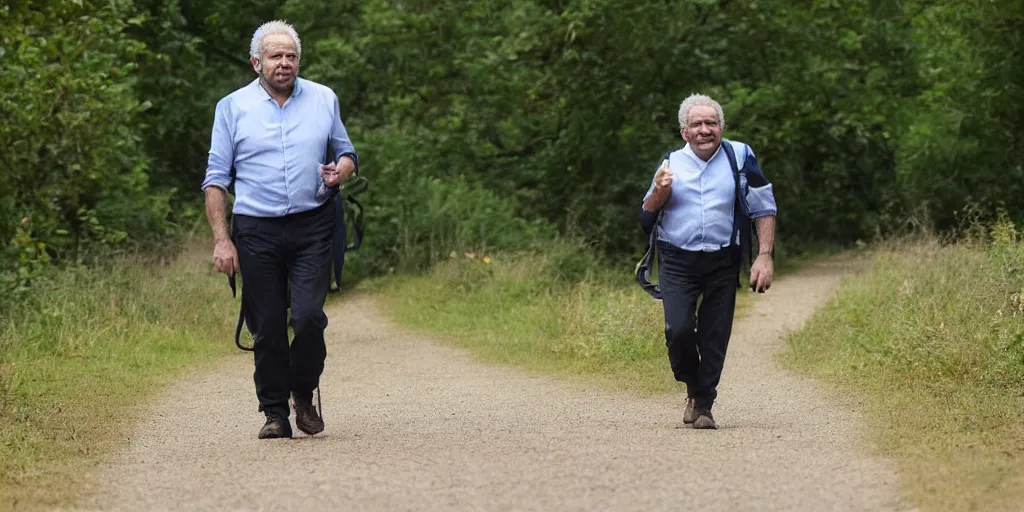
(415, 219)
(71, 163)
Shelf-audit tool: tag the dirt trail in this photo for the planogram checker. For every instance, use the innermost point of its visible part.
(412, 425)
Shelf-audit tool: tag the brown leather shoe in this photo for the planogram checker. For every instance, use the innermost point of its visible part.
(704, 420)
(689, 415)
(276, 428)
(306, 417)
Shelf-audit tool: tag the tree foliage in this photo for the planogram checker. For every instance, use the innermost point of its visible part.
(73, 171)
(494, 122)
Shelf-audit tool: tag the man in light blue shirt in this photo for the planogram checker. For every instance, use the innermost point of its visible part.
(705, 196)
(283, 138)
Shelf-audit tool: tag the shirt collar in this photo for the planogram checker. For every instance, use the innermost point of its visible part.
(689, 152)
(296, 91)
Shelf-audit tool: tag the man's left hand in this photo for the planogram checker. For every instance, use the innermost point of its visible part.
(761, 273)
(335, 174)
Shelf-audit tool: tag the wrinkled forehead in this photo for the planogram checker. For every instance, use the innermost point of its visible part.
(278, 42)
(702, 113)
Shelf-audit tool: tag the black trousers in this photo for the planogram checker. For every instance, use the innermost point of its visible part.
(280, 255)
(697, 340)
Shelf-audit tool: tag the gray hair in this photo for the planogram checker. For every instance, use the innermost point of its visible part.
(273, 27)
(695, 100)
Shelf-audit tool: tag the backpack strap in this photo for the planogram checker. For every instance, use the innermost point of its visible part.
(643, 267)
(642, 272)
(741, 224)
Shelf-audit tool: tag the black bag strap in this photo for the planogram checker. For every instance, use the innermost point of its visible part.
(350, 190)
(741, 224)
(643, 268)
(642, 271)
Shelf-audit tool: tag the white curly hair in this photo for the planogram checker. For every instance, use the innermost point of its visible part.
(695, 100)
(273, 27)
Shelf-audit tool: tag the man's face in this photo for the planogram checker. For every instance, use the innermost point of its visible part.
(278, 64)
(702, 131)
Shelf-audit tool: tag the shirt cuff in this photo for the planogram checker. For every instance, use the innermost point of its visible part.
(221, 183)
(763, 213)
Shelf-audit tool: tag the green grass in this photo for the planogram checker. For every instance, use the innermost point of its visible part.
(79, 356)
(929, 344)
(556, 312)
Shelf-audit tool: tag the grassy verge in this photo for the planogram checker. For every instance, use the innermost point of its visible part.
(930, 342)
(554, 312)
(79, 355)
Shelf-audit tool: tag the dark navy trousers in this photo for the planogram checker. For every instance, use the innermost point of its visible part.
(697, 336)
(279, 255)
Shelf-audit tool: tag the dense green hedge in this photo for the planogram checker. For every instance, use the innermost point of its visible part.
(515, 116)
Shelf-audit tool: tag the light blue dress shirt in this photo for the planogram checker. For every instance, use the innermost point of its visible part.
(276, 151)
(698, 216)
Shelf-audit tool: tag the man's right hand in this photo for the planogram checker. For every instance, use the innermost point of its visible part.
(663, 178)
(662, 188)
(225, 257)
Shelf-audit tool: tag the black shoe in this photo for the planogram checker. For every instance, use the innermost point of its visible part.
(276, 428)
(306, 417)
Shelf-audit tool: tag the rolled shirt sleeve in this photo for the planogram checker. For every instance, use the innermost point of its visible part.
(222, 150)
(762, 202)
(760, 196)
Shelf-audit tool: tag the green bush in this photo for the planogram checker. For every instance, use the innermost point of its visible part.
(73, 175)
(415, 219)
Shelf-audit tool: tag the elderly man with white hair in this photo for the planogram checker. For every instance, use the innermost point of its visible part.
(698, 210)
(281, 143)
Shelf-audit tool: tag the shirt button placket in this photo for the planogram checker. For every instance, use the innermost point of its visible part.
(284, 161)
(702, 206)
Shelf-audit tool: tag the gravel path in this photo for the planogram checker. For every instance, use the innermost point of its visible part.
(412, 425)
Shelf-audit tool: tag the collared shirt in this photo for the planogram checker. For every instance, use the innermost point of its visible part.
(276, 151)
(698, 216)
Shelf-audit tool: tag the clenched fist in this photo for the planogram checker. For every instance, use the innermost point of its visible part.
(663, 178)
(662, 188)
